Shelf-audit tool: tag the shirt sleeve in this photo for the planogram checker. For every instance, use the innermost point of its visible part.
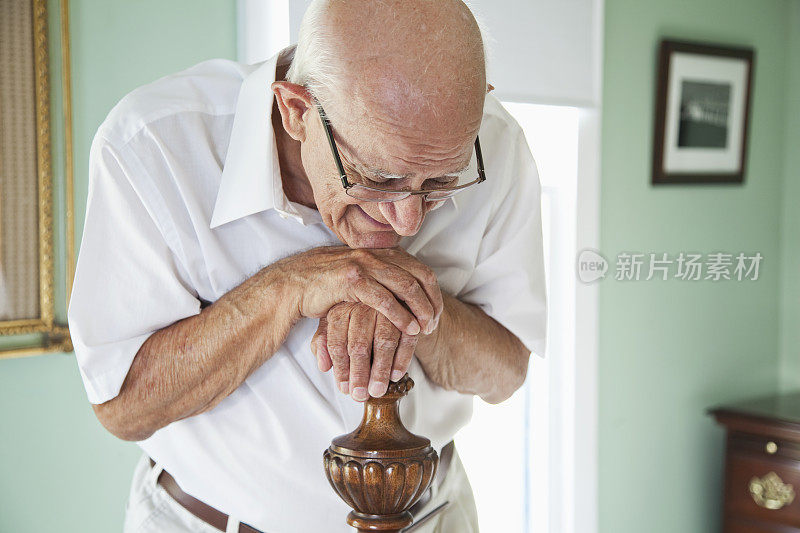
(128, 282)
(508, 282)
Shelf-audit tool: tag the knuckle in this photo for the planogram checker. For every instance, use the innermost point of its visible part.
(337, 351)
(359, 379)
(387, 343)
(380, 371)
(335, 313)
(426, 313)
(385, 304)
(401, 366)
(361, 254)
(358, 349)
(354, 273)
(344, 308)
(359, 373)
(429, 276)
(387, 271)
(408, 341)
(364, 311)
(409, 285)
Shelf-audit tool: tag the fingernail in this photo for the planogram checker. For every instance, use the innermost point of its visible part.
(413, 328)
(429, 328)
(319, 364)
(377, 388)
(396, 375)
(360, 393)
(344, 386)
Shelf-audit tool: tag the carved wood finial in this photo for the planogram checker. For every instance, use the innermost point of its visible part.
(381, 469)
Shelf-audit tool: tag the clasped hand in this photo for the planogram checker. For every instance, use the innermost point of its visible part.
(373, 305)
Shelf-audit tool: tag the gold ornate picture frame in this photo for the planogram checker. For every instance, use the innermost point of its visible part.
(28, 185)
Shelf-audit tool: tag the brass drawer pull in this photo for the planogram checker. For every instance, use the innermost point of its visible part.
(770, 492)
(771, 447)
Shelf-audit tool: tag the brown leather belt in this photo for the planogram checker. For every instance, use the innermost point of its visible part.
(204, 512)
(219, 520)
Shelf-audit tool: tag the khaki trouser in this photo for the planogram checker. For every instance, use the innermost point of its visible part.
(151, 510)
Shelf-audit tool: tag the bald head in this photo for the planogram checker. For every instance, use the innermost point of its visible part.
(403, 82)
(416, 60)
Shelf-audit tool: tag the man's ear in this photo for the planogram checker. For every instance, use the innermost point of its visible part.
(293, 102)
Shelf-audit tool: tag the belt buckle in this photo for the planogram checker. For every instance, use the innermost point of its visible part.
(419, 523)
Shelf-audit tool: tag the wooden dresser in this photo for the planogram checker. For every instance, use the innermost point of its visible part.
(762, 464)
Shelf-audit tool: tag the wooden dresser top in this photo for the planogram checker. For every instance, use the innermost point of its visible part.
(777, 415)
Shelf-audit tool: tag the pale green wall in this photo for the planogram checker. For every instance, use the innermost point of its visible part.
(669, 350)
(120, 44)
(790, 225)
(59, 469)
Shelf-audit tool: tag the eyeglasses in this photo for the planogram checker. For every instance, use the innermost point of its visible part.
(369, 193)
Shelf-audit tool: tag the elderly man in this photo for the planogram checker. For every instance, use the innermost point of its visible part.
(250, 228)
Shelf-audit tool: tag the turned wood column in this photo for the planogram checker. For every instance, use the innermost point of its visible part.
(381, 469)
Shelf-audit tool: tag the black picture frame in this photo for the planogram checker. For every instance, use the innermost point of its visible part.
(702, 112)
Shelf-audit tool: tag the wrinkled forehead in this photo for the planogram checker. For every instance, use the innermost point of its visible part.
(390, 113)
(407, 144)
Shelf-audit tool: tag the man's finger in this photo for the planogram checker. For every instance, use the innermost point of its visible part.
(319, 346)
(427, 281)
(425, 276)
(402, 359)
(385, 343)
(338, 320)
(409, 288)
(405, 287)
(371, 293)
(360, 334)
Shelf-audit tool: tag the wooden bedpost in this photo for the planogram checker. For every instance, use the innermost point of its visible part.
(381, 469)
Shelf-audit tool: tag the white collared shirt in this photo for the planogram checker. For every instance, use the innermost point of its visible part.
(185, 202)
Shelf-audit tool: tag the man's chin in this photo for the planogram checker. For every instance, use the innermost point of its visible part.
(374, 239)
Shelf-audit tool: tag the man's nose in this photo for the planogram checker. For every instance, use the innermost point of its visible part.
(404, 215)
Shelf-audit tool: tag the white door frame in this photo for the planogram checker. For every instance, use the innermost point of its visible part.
(586, 464)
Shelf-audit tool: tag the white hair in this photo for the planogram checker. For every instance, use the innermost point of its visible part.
(315, 66)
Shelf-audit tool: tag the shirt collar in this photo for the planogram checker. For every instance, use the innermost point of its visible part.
(251, 176)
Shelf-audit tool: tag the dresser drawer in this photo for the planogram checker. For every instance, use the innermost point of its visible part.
(762, 446)
(762, 487)
(747, 526)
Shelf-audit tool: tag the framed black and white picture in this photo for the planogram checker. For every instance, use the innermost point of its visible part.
(702, 113)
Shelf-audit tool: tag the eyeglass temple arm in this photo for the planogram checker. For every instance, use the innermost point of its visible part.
(479, 157)
(329, 134)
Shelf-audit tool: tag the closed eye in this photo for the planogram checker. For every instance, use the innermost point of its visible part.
(375, 182)
(383, 179)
